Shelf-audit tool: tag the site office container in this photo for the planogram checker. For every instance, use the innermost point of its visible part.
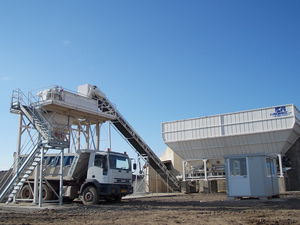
(251, 175)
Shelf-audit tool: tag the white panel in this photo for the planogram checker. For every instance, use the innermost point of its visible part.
(80, 102)
(188, 124)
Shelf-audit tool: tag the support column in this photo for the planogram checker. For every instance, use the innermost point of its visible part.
(61, 178)
(183, 170)
(17, 166)
(87, 132)
(41, 178)
(147, 178)
(78, 137)
(97, 137)
(69, 135)
(109, 135)
(36, 185)
(205, 169)
(280, 165)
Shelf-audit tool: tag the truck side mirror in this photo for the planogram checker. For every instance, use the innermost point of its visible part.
(134, 166)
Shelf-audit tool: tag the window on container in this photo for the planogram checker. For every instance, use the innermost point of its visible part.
(270, 167)
(238, 167)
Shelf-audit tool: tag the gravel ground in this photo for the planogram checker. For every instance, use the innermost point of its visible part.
(182, 209)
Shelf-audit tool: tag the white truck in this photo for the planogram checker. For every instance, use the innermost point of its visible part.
(89, 175)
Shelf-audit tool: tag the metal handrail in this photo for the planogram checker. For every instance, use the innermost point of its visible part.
(33, 105)
(15, 176)
(38, 102)
(16, 164)
(19, 98)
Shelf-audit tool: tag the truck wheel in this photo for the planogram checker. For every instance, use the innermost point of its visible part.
(47, 193)
(25, 192)
(90, 196)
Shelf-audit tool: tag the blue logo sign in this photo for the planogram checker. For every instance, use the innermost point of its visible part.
(280, 111)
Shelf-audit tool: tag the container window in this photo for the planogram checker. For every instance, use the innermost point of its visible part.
(270, 167)
(238, 167)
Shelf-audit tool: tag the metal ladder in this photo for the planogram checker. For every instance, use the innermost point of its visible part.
(14, 181)
(17, 180)
(138, 143)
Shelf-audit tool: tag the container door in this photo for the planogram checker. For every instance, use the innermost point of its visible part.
(275, 178)
(271, 180)
(238, 178)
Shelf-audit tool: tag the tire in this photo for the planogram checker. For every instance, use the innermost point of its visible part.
(25, 192)
(90, 196)
(47, 193)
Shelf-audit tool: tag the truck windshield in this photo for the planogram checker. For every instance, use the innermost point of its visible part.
(119, 162)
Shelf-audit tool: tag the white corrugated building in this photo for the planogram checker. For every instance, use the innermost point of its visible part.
(203, 142)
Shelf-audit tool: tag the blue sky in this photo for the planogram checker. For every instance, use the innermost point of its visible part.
(156, 60)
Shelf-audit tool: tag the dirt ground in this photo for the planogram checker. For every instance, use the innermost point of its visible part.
(181, 209)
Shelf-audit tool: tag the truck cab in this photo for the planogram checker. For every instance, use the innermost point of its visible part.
(109, 177)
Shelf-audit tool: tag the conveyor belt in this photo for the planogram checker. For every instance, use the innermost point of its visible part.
(138, 143)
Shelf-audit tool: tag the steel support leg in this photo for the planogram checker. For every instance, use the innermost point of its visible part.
(97, 137)
(36, 185)
(205, 169)
(280, 165)
(61, 177)
(78, 137)
(109, 135)
(41, 179)
(87, 132)
(183, 170)
(19, 143)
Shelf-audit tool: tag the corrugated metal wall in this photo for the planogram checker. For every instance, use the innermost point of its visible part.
(254, 121)
(270, 130)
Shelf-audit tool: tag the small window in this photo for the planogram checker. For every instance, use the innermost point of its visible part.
(119, 162)
(270, 167)
(100, 161)
(238, 167)
(68, 160)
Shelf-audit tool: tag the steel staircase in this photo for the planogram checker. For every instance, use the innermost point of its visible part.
(14, 180)
(138, 143)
